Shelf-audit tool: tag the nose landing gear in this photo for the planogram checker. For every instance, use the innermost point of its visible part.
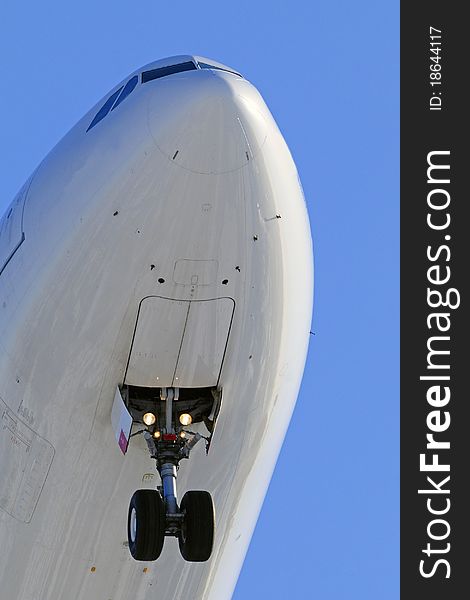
(154, 514)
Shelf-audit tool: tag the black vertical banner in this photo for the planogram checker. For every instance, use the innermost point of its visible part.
(435, 269)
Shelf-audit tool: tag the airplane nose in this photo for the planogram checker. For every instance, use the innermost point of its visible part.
(206, 122)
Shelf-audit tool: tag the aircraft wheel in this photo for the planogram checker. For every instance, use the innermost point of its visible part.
(197, 531)
(146, 525)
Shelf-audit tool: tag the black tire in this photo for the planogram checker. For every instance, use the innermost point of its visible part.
(146, 525)
(197, 532)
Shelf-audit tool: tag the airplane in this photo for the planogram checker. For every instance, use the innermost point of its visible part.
(156, 291)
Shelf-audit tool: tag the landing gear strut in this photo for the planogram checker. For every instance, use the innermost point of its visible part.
(154, 514)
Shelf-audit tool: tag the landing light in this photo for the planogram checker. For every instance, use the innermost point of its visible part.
(149, 418)
(186, 419)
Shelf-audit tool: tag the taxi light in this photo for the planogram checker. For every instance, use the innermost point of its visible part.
(157, 435)
(186, 419)
(149, 418)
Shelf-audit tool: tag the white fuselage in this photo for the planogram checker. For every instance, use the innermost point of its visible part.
(184, 193)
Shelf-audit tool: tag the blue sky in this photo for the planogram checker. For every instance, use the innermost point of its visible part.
(329, 71)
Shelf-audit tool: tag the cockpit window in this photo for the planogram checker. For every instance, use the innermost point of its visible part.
(104, 110)
(128, 88)
(208, 66)
(114, 100)
(164, 71)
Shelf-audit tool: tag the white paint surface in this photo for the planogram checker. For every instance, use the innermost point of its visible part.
(108, 215)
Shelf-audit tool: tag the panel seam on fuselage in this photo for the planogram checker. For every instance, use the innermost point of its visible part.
(14, 251)
(181, 345)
